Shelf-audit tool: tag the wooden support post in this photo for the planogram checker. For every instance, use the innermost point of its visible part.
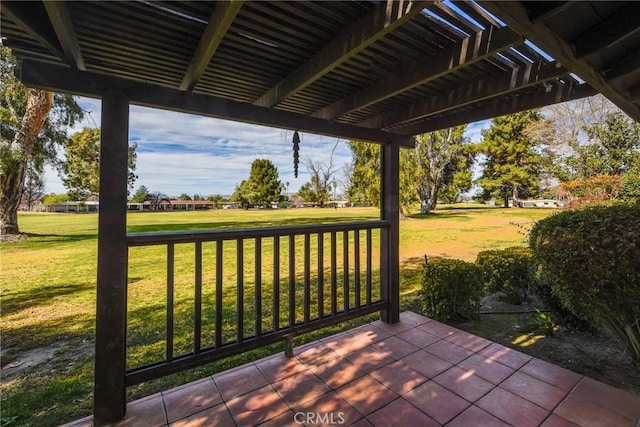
(390, 239)
(109, 402)
(288, 346)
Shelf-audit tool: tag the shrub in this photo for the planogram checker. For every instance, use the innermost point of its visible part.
(451, 289)
(508, 270)
(631, 183)
(590, 259)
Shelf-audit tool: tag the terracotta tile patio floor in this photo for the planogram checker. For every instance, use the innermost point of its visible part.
(418, 372)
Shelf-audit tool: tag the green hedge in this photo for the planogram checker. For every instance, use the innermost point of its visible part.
(508, 270)
(590, 260)
(451, 289)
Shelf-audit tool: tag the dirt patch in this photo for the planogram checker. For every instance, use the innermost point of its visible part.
(12, 238)
(45, 359)
(592, 353)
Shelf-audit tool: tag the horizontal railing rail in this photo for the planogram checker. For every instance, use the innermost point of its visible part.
(329, 278)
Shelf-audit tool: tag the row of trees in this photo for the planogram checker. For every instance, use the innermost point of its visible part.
(576, 149)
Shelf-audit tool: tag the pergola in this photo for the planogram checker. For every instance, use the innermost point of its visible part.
(377, 71)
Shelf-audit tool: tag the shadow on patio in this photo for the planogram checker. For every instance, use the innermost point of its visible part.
(418, 372)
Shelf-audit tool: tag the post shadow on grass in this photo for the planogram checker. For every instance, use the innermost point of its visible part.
(58, 238)
(22, 300)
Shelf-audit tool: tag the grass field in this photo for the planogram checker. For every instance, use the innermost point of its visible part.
(48, 292)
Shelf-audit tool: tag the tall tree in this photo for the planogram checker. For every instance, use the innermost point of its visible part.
(323, 179)
(512, 165)
(612, 148)
(81, 170)
(263, 186)
(33, 188)
(140, 195)
(443, 161)
(28, 132)
(440, 161)
(364, 188)
(156, 199)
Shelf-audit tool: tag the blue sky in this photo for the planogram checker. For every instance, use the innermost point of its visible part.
(182, 153)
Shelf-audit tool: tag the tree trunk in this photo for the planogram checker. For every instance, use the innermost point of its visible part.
(23, 144)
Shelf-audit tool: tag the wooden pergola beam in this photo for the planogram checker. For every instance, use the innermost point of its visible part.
(35, 22)
(622, 24)
(463, 53)
(383, 19)
(58, 78)
(221, 19)
(509, 81)
(63, 27)
(623, 66)
(502, 106)
(515, 16)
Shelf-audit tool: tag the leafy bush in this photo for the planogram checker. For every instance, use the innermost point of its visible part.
(508, 270)
(451, 289)
(631, 183)
(590, 259)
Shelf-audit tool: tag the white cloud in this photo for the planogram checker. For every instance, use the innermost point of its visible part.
(182, 153)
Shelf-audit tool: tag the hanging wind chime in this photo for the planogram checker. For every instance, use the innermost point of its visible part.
(296, 155)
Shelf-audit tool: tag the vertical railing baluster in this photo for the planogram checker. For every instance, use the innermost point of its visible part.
(218, 293)
(345, 266)
(356, 266)
(320, 275)
(369, 270)
(197, 325)
(240, 288)
(334, 274)
(307, 277)
(292, 280)
(258, 293)
(170, 291)
(276, 283)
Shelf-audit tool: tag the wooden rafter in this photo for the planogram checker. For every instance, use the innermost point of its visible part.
(503, 83)
(219, 22)
(623, 66)
(515, 15)
(546, 9)
(622, 24)
(63, 26)
(470, 50)
(34, 21)
(382, 20)
(55, 77)
(499, 107)
(634, 93)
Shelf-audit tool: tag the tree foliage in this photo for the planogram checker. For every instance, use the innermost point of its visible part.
(33, 124)
(156, 199)
(513, 160)
(262, 188)
(443, 161)
(323, 179)
(366, 170)
(33, 188)
(613, 146)
(140, 195)
(631, 183)
(81, 169)
(440, 163)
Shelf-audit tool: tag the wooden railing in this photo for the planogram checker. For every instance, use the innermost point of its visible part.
(332, 273)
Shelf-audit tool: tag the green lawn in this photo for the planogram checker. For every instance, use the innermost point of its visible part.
(48, 291)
